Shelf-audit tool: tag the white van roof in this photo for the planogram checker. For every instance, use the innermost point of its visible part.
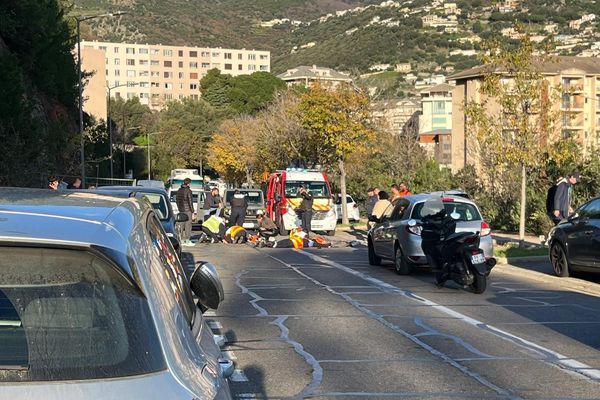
(310, 176)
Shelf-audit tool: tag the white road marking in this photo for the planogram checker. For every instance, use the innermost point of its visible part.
(549, 355)
(238, 376)
(246, 396)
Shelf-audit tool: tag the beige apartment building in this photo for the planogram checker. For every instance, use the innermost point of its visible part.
(398, 115)
(305, 75)
(578, 78)
(157, 74)
(435, 123)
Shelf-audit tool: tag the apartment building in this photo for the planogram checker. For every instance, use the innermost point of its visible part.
(398, 115)
(305, 75)
(578, 79)
(157, 74)
(435, 123)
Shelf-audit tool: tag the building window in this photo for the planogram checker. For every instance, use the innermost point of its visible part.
(216, 54)
(216, 65)
(264, 67)
(193, 86)
(168, 96)
(117, 72)
(251, 67)
(117, 94)
(168, 53)
(143, 62)
(154, 51)
(193, 64)
(439, 107)
(264, 57)
(181, 97)
(240, 56)
(155, 85)
(228, 67)
(181, 86)
(154, 62)
(143, 73)
(130, 95)
(181, 75)
(144, 84)
(193, 54)
(154, 73)
(143, 51)
(131, 84)
(168, 86)
(205, 65)
(168, 64)
(117, 61)
(130, 50)
(116, 50)
(167, 75)
(130, 61)
(180, 53)
(130, 73)
(251, 57)
(227, 56)
(193, 75)
(240, 67)
(103, 48)
(205, 54)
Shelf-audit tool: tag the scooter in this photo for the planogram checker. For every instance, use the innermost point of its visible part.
(453, 255)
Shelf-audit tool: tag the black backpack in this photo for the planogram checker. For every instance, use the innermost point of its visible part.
(550, 199)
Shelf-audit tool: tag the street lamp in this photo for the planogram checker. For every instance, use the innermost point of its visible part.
(109, 121)
(80, 84)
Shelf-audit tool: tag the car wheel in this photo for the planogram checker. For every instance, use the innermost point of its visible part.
(559, 260)
(373, 258)
(401, 266)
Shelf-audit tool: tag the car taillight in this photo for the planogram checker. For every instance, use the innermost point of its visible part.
(414, 229)
(485, 228)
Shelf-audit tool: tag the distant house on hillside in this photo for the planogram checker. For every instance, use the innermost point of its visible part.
(305, 75)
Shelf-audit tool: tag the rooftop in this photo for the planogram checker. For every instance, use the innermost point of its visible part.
(314, 72)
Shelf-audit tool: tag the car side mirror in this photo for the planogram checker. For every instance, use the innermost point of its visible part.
(182, 217)
(207, 286)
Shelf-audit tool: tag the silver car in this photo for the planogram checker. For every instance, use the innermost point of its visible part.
(94, 303)
(397, 234)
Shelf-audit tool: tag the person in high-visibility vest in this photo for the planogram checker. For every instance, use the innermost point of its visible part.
(236, 234)
(298, 240)
(214, 228)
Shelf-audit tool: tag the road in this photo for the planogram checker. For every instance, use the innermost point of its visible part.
(325, 324)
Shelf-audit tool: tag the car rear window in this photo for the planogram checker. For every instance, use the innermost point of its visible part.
(68, 314)
(254, 197)
(466, 211)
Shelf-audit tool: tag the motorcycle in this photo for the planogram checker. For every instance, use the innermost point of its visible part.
(452, 255)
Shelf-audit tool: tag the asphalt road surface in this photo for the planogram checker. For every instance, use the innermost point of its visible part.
(325, 324)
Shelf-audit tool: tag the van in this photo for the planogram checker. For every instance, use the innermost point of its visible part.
(256, 201)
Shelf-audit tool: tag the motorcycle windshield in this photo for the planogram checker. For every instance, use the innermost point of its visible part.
(432, 208)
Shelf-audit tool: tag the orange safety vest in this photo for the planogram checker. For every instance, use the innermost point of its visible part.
(298, 242)
(234, 230)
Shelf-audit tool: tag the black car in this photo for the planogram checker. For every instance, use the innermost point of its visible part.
(575, 241)
(160, 202)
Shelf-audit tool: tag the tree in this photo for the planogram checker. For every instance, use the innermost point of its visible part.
(232, 150)
(514, 121)
(338, 122)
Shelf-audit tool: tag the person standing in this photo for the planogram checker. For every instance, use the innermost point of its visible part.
(306, 209)
(403, 190)
(371, 200)
(239, 206)
(382, 204)
(185, 204)
(563, 197)
(212, 203)
(395, 193)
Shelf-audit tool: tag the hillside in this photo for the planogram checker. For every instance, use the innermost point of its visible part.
(351, 35)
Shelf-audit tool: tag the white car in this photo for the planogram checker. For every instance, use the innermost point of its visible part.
(353, 211)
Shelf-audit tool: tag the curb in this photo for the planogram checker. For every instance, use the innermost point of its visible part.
(509, 260)
(578, 285)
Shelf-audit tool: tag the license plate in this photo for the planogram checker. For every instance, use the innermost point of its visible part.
(317, 226)
(478, 258)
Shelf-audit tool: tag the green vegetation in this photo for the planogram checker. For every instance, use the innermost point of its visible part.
(39, 92)
(512, 251)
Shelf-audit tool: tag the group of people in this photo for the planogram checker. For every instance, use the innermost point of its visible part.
(379, 200)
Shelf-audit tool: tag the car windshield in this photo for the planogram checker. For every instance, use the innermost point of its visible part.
(316, 189)
(464, 212)
(159, 204)
(179, 182)
(67, 315)
(254, 197)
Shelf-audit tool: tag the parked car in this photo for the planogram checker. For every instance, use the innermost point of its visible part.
(256, 201)
(352, 207)
(95, 304)
(575, 241)
(394, 238)
(151, 183)
(161, 204)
